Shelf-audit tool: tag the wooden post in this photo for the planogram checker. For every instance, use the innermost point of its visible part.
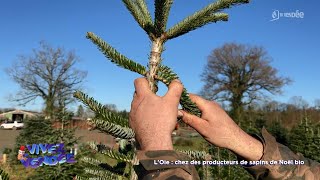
(4, 158)
(75, 149)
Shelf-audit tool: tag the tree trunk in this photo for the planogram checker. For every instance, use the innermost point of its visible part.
(49, 109)
(236, 108)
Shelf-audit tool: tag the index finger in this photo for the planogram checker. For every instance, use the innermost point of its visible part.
(200, 102)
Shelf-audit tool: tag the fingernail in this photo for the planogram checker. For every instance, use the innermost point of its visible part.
(180, 113)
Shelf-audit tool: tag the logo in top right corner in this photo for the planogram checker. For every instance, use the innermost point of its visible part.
(276, 15)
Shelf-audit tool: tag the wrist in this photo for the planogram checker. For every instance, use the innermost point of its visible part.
(247, 147)
(158, 143)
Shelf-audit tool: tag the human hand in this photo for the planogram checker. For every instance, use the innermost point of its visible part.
(153, 118)
(219, 129)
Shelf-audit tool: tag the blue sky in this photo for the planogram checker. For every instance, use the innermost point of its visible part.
(293, 43)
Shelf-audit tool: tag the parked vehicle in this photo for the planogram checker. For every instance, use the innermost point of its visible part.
(12, 125)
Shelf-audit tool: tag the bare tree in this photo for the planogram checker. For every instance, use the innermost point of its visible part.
(111, 107)
(240, 74)
(48, 73)
(317, 104)
(298, 102)
(271, 106)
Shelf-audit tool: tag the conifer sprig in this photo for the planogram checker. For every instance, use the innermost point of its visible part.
(112, 154)
(117, 156)
(138, 10)
(106, 121)
(196, 155)
(100, 111)
(162, 9)
(166, 75)
(144, 9)
(193, 22)
(113, 129)
(92, 163)
(102, 173)
(114, 56)
(184, 28)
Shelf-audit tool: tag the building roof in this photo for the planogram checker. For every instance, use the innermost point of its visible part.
(18, 111)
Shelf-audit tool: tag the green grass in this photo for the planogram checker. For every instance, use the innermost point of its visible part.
(189, 139)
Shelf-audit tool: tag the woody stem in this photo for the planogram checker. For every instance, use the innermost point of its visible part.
(154, 62)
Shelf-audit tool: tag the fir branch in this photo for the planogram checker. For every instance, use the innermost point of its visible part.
(118, 156)
(99, 165)
(199, 23)
(144, 9)
(192, 22)
(102, 173)
(166, 75)
(138, 14)
(162, 9)
(196, 155)
(92, 161)
(113, 129)
(110, 153)
(115, 56)
(101, 111)
(188, 105)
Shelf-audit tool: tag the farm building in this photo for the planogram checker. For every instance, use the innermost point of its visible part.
(17, 115)
(20, 115)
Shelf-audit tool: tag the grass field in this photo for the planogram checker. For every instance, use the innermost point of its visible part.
(189, 139)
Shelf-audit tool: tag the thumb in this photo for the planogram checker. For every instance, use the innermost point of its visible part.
(194, 121)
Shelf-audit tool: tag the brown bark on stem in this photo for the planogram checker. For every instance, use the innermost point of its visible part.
(154, 61)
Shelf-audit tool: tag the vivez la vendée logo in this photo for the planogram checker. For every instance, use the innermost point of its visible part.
(55, 154)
